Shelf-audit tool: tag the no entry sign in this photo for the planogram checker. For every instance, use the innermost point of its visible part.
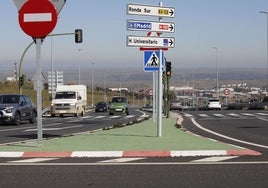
(38, 18)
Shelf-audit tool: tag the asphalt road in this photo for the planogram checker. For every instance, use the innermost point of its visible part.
(67, 125)
(102, 173)
(219, 171)
(243, 128)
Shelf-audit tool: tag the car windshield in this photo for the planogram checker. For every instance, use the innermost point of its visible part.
(119, 100)
(4, 99)
(101, 104)
(65, 95)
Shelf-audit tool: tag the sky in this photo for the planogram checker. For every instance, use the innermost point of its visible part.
(235, 27)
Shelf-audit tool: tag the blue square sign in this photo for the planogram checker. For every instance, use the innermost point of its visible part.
(151, 61)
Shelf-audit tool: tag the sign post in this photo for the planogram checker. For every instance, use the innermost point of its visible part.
(37, 19)
(154, 58)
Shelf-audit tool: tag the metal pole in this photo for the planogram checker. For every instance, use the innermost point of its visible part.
(78, 59)
(266, 12)
(217, 72)
(160, 90)
(154, 96)
(39, 91)
(92, 85)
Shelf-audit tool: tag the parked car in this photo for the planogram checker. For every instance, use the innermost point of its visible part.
(15, 108)
(119, 105)
(213, 104)
(101, 107)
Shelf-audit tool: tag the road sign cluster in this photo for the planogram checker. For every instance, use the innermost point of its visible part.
(150, 26)
(153, 43)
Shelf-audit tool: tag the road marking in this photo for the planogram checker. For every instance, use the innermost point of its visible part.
(188, 115)
(215, 159)
(203, 115)
(99, 117)
(113, 117)
(262, 119)
(262, 114)
(34, 160)
(247, 114)
(219, 115)
(54, 129)
(136, 164)
(227, 137)
(121, 160)
(129, 116)
(234, 115)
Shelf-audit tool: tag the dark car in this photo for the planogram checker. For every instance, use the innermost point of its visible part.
(101, 107)
(15, 108)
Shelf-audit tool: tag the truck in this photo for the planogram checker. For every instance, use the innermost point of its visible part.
(69, 99)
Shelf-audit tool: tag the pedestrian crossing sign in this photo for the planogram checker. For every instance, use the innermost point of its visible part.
(152, 61)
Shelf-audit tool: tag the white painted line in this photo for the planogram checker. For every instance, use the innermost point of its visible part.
(129, 116)
(262, 114)
(247, 114)
(188, 115)
(97, 154)
(215, 159)
(11, 154)
(234, 115)
(54, 129)
(203, 115)
(113, 117)
(227, 137)
(86, 117)
(190, 153)
(263, 119)
(121, 160)
(218, 115)
(37, 17)
(34, 160)
(99, 117)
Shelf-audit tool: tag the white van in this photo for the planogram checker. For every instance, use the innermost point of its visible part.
(213, 104)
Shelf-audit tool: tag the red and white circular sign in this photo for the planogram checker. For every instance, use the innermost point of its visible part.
(226, 91)
(38, 18)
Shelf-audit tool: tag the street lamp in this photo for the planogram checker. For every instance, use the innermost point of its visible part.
(79, 65)
(266, 12)
(92, 85)
(217, 72)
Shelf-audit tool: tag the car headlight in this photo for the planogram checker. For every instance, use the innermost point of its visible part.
(8, 109)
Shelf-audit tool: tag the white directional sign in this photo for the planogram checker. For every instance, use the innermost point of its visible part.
(145, 10)
(141, 25)
(162, 42)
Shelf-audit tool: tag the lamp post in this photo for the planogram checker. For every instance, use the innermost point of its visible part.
(266, 12)
(92, 85)
(79, 65)
(217, 72)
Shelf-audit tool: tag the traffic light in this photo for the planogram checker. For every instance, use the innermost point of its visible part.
(21, 80)
(168, 68)
(164, 78)
(78, 36)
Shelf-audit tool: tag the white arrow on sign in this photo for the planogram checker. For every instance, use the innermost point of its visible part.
(141, 41)
(145, 10)
(141, 25)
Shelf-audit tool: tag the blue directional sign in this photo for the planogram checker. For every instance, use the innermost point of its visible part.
(141, 25)
(151, 61)
(138, 25)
